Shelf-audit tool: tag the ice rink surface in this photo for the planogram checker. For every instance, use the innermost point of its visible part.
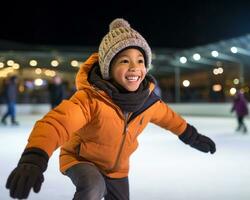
(162, 168)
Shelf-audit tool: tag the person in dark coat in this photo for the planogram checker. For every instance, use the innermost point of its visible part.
(241, 110)
(10, 96)
(56, 91)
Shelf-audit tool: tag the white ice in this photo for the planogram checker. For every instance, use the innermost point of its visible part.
(163, 168)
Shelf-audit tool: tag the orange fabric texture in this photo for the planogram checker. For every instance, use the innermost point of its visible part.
(89, 127)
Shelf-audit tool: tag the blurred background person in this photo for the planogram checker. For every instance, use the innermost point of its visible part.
(56, 91)
(241, 110)
(157, 89)
(10, 96)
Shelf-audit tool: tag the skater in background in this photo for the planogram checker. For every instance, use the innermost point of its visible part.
(97, 128)
(241, 110)
(10, 96)
(56, 91)
(157, 89)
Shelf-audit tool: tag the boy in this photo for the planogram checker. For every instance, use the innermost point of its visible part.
(98, 127)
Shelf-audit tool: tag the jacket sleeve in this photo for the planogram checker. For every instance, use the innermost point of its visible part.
(166, 118)
(55, 128)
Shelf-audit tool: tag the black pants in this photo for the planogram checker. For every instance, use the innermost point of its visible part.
(92, 185)
(241, 123)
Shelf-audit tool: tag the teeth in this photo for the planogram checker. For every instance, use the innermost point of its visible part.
(132, 78)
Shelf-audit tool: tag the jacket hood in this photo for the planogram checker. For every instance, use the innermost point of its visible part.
(82, 75)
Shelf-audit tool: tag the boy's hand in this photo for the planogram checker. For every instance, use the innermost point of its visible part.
(28, 173)
(196, 140)
(23, 178)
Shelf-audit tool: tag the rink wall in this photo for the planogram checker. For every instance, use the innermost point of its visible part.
(23, 109)
(203, 109)
(192, 109)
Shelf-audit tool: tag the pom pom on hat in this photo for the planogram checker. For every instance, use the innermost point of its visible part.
(117, 23)
(119, 37)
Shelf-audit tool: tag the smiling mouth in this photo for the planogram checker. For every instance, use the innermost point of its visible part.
(133, 78)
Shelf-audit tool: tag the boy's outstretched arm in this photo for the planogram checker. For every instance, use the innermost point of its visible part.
(166, 118)
(49, 133)
(196, 140)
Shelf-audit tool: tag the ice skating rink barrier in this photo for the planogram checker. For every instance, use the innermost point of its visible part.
(192, 109)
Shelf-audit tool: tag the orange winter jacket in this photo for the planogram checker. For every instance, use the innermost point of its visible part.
(90, 127)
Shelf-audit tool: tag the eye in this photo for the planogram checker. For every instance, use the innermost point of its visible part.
(124, 61)
(141, 61)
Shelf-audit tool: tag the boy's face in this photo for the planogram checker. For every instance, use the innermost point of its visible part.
(128, 69)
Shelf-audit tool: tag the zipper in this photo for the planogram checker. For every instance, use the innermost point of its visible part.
(107, 99)
(125, 130)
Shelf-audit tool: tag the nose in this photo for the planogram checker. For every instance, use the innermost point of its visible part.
(133, 67)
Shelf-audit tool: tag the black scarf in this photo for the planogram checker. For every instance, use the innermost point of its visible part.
(127, 101)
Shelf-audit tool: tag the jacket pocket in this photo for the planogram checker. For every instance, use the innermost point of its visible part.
(101, 155)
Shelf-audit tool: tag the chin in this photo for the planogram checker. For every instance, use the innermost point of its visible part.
(132, 89)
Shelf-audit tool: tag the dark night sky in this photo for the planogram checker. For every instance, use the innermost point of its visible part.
(181, 24)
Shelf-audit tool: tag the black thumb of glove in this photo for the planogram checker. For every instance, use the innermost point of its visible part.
(28, 173)
(201, 142)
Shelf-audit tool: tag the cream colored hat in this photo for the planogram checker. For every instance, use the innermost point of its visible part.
(119, 37)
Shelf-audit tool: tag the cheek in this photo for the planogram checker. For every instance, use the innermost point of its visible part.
(118, 74)
(144, 72)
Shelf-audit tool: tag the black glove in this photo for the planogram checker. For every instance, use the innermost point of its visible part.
(28, 173)
(196, 140)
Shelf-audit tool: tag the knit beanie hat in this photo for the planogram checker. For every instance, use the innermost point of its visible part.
(119, 37)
